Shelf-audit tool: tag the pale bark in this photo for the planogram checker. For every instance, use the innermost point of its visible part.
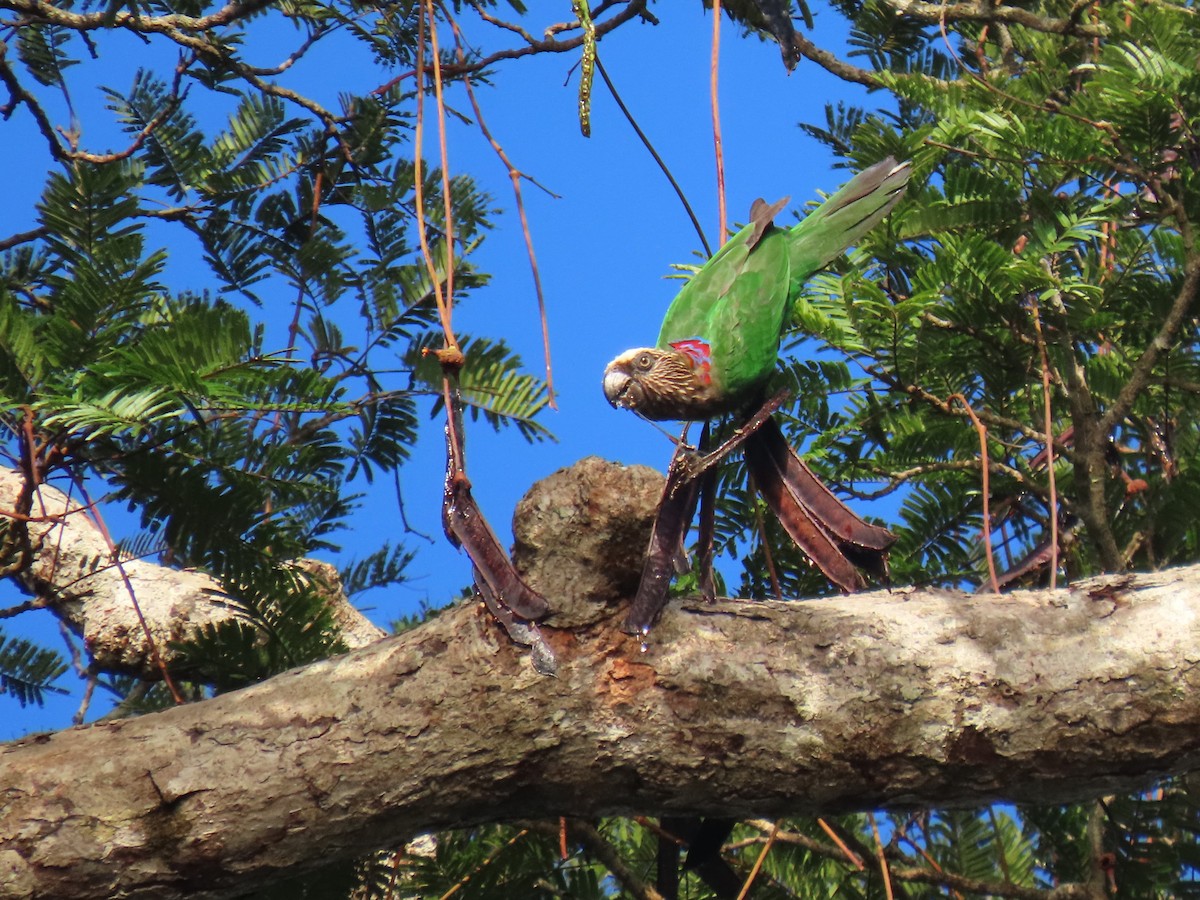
(738, 708)
(900, 698)
(73, 573)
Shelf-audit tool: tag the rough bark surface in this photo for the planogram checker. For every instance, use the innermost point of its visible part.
(736, 708)
(579, 535)
(73, 574)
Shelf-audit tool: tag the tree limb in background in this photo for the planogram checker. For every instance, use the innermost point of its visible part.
(70, 574)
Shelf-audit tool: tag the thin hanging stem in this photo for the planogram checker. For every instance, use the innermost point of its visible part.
(444, 158)
(515, 175)
(450, 356)
(716, 118)
(1048, 427)
(654, 153)
(981, 430)
(419, 186)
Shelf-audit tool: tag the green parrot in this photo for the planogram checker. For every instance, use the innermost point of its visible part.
(716, 352)
(720, 338)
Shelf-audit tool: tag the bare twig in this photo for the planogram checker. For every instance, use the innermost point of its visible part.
(515, 175)
(981, 430)
(758, 863)
(604, 852)
(654, 153)
(718, 154)
(419, 180)
(883, 864)
(1048, 425)
(846, 851)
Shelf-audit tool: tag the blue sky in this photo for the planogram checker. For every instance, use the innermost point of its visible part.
(603, 245)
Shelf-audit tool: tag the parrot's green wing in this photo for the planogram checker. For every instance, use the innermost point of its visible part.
(730, 315)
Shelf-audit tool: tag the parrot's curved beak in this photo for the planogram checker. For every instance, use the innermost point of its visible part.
(616, 384)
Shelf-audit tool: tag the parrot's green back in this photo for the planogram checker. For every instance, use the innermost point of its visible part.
(731, 313)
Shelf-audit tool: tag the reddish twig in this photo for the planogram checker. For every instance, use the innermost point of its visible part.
(981, 430)
(444, 158)
(1048, 425)
(758, 863)
(488, 860)
(833, 836)
(418, 180)
(883, 866)
(716, 117)
(637, 129)
(933, 864)
(515, 175)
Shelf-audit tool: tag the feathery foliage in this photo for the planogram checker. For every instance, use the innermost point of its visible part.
(238, 405)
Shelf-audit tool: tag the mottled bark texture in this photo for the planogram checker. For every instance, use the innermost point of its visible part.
(734, 708)
(72, 573)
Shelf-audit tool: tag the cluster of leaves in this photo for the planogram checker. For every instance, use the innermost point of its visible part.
(239, 405)
(1048, 231)
(1002, 851)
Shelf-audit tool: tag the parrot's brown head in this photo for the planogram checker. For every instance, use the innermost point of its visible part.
(662, 384)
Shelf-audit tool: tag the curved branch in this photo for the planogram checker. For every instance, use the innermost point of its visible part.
(634, 9)
(830, 63)
(987, 11)
(18, 95)
(72, 573)
(1139, 378)
(171, 24)
(948, 408)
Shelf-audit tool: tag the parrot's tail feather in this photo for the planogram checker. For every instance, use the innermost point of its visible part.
(841, 521)
(826, 232)
(828, 531)
(810, 534)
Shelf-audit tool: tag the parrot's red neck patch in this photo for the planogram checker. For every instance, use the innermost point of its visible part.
(698, 351)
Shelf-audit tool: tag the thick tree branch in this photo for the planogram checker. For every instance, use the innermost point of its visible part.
(830, 63)
(734, 708)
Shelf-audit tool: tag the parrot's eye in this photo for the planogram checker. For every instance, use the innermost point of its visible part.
(644, 361)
